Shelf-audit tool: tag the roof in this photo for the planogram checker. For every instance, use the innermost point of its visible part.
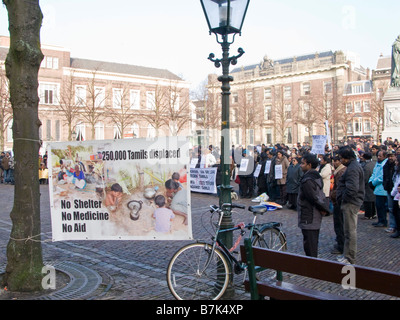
(366, 87)
(384, 62)
(288, 60)
(122, 68)
(112, 67)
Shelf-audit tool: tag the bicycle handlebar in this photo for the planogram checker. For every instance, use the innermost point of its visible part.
(233, 205)
(227, 206)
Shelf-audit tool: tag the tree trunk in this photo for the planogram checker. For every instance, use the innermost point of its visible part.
(24, 250)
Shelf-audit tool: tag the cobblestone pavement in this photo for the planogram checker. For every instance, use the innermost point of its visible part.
(136, 270)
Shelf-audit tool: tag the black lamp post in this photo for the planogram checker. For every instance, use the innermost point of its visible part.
(225, 18)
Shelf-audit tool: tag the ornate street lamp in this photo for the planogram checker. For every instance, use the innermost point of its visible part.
(225, 18)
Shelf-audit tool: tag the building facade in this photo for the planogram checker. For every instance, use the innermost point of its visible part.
(381, 78)
(83, 99)
(289, 100)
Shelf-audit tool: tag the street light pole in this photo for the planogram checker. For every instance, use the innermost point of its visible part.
(225, 188)
(225, 17)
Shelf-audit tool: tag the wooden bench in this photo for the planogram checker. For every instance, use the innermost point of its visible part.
(365, 278)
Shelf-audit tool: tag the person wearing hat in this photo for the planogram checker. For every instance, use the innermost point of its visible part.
(388, 171)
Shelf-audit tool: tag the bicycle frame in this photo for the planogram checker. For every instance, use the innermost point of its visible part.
(250, 226)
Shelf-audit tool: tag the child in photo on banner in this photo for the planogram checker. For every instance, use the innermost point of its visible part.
(162, 215)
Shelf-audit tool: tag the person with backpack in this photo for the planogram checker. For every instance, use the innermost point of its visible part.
(311, 204)
(395, 193)
(350, 195)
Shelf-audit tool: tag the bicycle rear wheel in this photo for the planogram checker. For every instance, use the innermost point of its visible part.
(271, 238)
(188, 277)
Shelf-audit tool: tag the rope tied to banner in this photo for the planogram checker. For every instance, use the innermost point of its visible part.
(31, 238)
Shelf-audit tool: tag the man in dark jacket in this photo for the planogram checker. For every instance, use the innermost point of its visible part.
(369, 197)
(337, 212)
(311, 204)
(246, 170)
(293, 177)
(388, 171)
(350, 194)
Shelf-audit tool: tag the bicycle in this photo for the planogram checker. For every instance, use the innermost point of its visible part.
(203, 270)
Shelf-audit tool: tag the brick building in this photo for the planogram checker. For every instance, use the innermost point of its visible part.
(86, 99)
(289, 100)
(358, 98)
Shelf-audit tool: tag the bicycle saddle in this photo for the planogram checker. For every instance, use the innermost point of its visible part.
(260, 209)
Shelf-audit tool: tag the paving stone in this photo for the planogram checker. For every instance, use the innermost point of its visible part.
(136, 270)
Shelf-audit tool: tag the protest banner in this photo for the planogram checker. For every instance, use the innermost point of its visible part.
(203, 180)
(319, 143)
(106, 190)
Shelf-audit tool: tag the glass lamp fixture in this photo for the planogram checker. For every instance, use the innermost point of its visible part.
(225, 16)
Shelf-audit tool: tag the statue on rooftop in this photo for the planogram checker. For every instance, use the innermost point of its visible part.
(395, 82)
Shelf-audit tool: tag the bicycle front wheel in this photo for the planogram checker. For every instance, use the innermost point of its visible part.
(195, 272)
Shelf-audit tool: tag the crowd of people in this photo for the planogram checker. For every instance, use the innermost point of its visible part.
(351, 179)
(6, 168)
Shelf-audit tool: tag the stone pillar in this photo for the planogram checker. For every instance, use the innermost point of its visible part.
(391, 102)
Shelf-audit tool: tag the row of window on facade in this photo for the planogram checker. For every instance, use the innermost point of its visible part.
(52, 131)
(49, 62)
(351, 89)
(49, 94)
(358, 126)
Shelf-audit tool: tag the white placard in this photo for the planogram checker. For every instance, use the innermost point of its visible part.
(243, 164)
(193, 162)
(319, 143)
(267, 166)
(278, 171)
(257, 171)
(203, 180)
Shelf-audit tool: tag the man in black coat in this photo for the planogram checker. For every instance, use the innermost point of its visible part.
(350, 195)
(246, 171)
(369, 197)
(311, 204)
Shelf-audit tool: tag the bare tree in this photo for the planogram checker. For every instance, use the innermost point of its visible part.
(208, 114)
(88, 104)
(283, 113)
(177, 108)
(155, 114)
(24, 249)
(67, 105)
(307, 115)
(344, 115)
(120, 112)
(378, 107)
(248, 112)
(6, 112)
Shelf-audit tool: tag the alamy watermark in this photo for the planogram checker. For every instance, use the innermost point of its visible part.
(49, 280)
(349, 280)
(348, 17)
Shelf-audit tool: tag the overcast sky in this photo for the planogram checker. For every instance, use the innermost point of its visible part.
(173, 34)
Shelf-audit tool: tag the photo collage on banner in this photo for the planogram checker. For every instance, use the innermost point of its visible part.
(130, 189)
